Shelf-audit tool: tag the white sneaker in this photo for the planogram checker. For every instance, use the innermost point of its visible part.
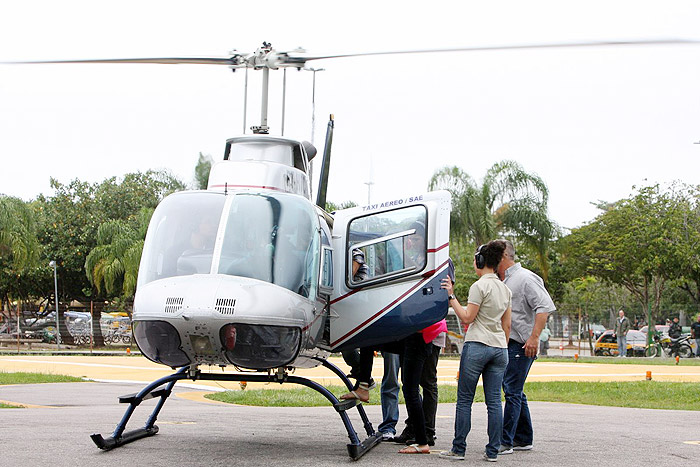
(387, 436)
(505, 450)
(522, 447)
(451, 455)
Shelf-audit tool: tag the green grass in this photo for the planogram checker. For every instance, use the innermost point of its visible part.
(624, 361)
(34, 378)
(640, 394)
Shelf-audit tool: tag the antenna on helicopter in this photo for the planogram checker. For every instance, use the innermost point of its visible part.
(325, 165)
(369, 183)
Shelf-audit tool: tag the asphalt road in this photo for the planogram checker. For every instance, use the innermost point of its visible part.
(194, 433)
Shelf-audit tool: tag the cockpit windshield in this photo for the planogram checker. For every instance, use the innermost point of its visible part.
(269, 237)
(181, 236)
(273, 238)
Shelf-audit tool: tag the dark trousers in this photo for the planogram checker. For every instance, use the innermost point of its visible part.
(352, 358)
(429, 384)
(517, 424)
(417, 354)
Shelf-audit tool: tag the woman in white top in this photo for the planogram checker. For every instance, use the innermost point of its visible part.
(485, 351)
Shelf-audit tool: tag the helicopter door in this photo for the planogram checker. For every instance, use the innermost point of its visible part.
(404, 245)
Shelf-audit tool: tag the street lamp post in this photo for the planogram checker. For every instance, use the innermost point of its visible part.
(52, 264)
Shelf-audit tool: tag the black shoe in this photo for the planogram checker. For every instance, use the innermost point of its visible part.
(403, 437)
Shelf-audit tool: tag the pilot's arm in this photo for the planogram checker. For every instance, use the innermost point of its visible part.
(360, 271)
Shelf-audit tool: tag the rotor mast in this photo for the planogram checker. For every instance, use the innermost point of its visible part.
(266, 58)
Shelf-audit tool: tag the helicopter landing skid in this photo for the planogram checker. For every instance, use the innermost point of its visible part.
(163, 388)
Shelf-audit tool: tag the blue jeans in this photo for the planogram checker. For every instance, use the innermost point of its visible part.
(390, 393)
(517, 425)
(697, 346)
(490, 363)
(622, 345)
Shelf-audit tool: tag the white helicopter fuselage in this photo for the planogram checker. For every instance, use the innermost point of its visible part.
(251, 273)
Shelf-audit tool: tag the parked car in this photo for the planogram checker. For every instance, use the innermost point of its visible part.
(606, 345)
(662, 328)
(595, 330)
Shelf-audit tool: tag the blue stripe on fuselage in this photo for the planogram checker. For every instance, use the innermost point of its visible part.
(417, 312)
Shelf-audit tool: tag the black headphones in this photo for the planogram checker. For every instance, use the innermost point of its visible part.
(479, 258)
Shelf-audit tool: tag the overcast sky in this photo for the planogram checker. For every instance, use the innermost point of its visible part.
(591, 122)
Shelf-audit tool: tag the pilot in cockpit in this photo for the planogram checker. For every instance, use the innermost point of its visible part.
(203, 236)
(414, 249)
(197, 248)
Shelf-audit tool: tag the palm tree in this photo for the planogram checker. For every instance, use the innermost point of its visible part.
(510, 202)
(113, 265)
(18, 240)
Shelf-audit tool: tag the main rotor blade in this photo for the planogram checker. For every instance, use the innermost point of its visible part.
(232, 61)
(517, 47)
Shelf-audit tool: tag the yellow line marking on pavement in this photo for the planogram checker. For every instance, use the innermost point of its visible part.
(198, 396)
(97, 365)
(28, 406)
(692, 442)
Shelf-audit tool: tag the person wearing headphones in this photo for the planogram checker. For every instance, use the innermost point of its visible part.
(485, 350)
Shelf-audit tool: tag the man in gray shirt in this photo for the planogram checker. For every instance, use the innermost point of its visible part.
(622, 327)
(531, 305)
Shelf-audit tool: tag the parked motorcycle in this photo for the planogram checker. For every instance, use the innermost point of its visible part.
(669, 347)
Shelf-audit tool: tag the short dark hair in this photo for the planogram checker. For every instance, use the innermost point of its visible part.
(493, 252)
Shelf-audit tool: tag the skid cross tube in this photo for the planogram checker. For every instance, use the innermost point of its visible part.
(163, 388)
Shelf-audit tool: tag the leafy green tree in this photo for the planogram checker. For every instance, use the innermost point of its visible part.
(509, 202)
(631, 244)
(113, 265)
(686, 235)
(201, 171)
(18, 241)
(332, 207)
(73, 215)
(19, 248)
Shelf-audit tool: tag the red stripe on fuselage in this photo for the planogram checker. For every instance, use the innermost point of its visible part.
(434, 250)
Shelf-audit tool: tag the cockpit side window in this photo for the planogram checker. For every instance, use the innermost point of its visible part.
(181, 236)
(391, 243)
(299, 158)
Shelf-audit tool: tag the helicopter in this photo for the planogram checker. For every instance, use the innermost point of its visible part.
(255, 274)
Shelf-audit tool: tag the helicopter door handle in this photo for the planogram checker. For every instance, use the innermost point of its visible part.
(427, 290)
